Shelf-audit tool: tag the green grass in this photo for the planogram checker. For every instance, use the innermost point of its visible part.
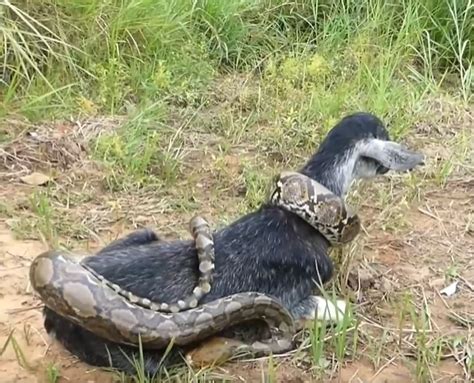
(305, 64)
(91, 56)
(332, 343)
(131, 152)
(53, 374)
(41, 206)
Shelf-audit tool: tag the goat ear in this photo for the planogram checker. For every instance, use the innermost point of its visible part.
(391, 155)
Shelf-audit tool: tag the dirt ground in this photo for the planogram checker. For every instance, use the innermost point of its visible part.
(419, 244)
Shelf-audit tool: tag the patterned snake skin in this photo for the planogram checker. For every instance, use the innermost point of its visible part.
(205, 248)
(318, 206)
(78, 293)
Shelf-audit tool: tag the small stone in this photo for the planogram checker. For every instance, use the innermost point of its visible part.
(36, 179)
(360, 280)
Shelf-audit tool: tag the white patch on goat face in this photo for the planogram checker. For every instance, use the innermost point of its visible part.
(353, 167)
(344, 174)
(364, 169)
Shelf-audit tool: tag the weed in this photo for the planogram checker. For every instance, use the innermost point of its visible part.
(256, 187)
(317, 336)
(53, 374)
(443, 172)
(6, 210)
(269, 373)
(343, 330)
(335, 343)
(20, 356)
(427, 349)
(41, 205)
(136, 154)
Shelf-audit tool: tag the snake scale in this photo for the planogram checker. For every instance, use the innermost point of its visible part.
(78, 293)
(202, 235)
(317, 205)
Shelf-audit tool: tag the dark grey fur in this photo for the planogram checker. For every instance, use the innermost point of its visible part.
(269, 251)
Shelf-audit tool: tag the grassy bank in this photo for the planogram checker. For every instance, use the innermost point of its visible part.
(92, 56)
(308, 61)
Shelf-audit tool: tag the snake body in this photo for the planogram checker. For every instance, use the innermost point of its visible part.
(78, 293)
(69, 289)
(317, 205)
(204, 243)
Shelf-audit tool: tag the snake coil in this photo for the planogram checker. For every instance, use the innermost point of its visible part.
(202, 235)
(78, 293)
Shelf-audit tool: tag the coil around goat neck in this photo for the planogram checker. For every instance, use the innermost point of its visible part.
(203, 238)
(317, 205)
